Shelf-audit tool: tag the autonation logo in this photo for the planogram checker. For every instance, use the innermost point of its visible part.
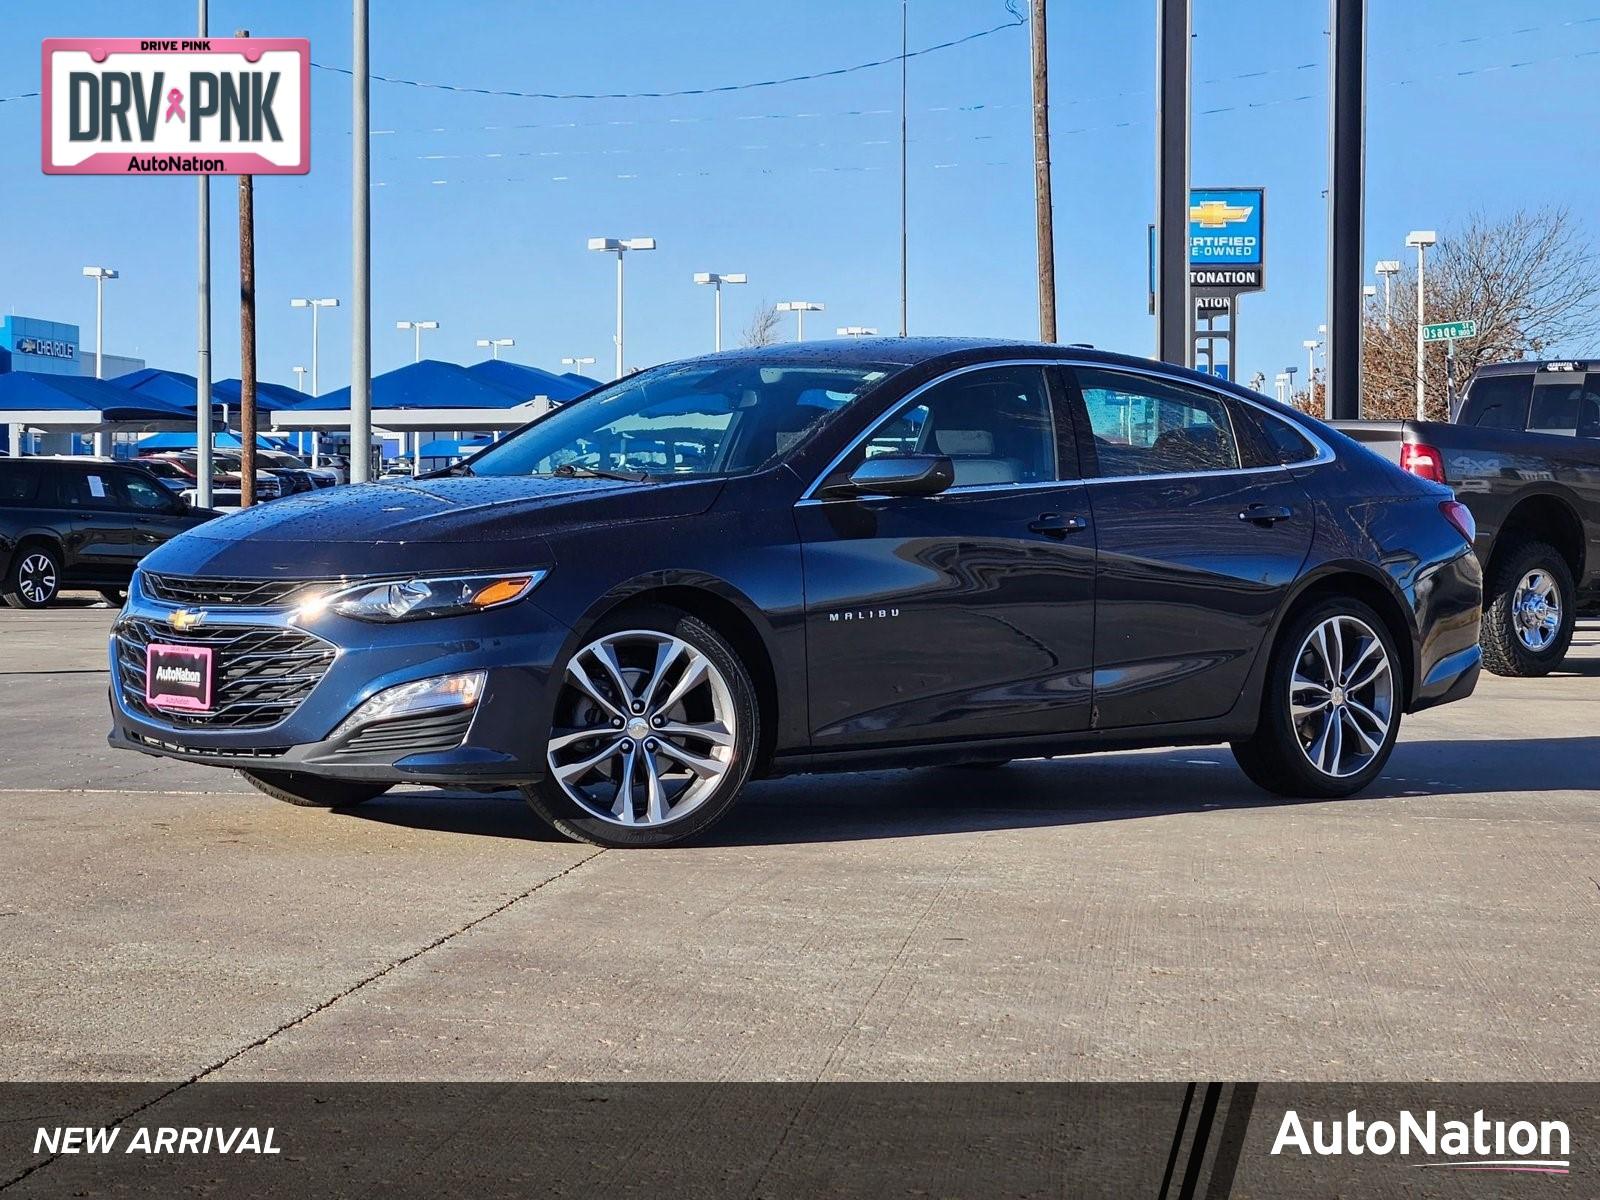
(1476, 1145)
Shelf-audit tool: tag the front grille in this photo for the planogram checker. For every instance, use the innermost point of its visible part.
(420, 734)
(236, 593)
(260, 675)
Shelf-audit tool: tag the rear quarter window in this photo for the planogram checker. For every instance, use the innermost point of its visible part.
(1273, 441)
(19, 483)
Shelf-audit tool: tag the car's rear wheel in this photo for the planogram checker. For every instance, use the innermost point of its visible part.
(34, 579)
(1528, 623)
(1331, 707)
(654, 732)
(313, 791)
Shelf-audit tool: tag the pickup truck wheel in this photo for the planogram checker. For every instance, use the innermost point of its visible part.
(1528, 621)
(1330, 710)
(34, 580)
(313, 791)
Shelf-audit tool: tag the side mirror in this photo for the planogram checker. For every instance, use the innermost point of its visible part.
(897, 475)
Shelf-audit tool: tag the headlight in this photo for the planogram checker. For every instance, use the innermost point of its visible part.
(430, 596)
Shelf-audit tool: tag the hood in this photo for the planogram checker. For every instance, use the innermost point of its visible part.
(448, 523)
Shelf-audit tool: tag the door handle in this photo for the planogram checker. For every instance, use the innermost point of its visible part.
(1057, 525)
(1266, 514)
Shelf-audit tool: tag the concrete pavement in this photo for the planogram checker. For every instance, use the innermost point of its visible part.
(1146, 916)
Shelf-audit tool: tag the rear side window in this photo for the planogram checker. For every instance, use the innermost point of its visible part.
(1498, 402)
(74, 488)
(1147, 426)
(1567, 405)
(1276, 442)
(19, 483)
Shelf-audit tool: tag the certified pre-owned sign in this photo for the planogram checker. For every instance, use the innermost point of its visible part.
(170, 106)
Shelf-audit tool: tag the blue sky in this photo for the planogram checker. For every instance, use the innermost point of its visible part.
(1473, 106)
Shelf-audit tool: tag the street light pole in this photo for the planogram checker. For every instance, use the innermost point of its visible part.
(1387, 269)
(99, 275)
(856, 331)
(1421, 239)
(361, 250)
(577, 361)
(202, 372)
(416, 328)
(299, 377)
(620, 246)
(493, 345)
(716, 281)
(799, 308)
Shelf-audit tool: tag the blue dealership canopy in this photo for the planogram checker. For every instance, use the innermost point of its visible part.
(222, 441)
(429, 384)
(531, 381)
(79, 401)
(177, 388)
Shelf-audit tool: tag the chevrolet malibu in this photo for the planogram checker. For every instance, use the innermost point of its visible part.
(818, 557)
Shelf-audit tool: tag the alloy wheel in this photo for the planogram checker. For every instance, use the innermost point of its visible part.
(1536, 610)
(36, 579)
(1341, 696)
(645, 728)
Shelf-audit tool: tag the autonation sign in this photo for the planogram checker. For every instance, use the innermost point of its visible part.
(169, 106)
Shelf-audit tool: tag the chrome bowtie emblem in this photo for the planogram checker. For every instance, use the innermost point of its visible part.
(186, 619)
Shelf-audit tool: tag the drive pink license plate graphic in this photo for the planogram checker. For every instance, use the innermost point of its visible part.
(178, 677)
(172, 106)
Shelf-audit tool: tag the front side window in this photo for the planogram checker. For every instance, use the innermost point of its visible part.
(995, 425)
(686, 420)
(143, 494)
(1147, 426)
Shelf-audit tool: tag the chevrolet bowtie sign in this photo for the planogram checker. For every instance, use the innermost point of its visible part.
(171, 106)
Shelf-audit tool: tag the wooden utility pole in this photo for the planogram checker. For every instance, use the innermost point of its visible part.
(1041, 174)
(247, 337)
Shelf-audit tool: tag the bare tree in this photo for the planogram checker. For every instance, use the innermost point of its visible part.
(763, 327)
(1530, 280)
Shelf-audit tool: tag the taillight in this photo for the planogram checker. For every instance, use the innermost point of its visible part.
(1459, 515)
(1422, 459)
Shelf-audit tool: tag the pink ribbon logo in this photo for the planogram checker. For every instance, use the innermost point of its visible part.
(174, 106)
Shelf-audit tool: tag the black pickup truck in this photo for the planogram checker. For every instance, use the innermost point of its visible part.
(1523, 454)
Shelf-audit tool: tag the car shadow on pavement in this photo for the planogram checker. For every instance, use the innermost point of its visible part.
(1031, 794)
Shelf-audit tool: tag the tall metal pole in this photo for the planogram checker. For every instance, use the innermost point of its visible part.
(361, 238)
(1347, 188)
(1174, 305)
(1422, 256)
(102, 440)
(247, 336)
(619, 314)
(315, 309)
(1043, 208)
(717, 287)
(904, 236)
(202, 366)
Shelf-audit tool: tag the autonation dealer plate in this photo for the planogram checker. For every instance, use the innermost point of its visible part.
(174, 106)
(178, 677)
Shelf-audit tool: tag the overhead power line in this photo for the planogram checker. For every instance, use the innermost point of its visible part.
(1016, 21)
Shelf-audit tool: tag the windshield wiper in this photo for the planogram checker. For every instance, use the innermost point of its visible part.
(573, 471)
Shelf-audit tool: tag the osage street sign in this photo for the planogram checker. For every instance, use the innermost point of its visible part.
(1449, 331)
(170, 106)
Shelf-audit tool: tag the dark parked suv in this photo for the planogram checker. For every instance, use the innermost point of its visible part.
(80, 523)
(828, 556)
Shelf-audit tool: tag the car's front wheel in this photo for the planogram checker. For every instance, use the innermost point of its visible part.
(654, 732)
(313, 791)
(1331, 707)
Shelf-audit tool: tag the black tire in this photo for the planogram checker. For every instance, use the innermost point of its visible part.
(1275, 757)
(313, 791)
(1504, 651)
(116, 596)
(549, 799)
(34, 578)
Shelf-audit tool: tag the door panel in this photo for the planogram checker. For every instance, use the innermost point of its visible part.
(947, 617)
(963, 615)
(97, 545)
(1196, 553)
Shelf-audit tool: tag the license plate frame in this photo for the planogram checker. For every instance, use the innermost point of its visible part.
(177, 692)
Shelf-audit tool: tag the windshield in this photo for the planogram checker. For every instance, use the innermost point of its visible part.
(692, 419)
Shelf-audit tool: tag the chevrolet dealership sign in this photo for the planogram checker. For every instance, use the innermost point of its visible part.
(171, 106)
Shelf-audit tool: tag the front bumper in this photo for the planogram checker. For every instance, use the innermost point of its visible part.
(500, 741)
